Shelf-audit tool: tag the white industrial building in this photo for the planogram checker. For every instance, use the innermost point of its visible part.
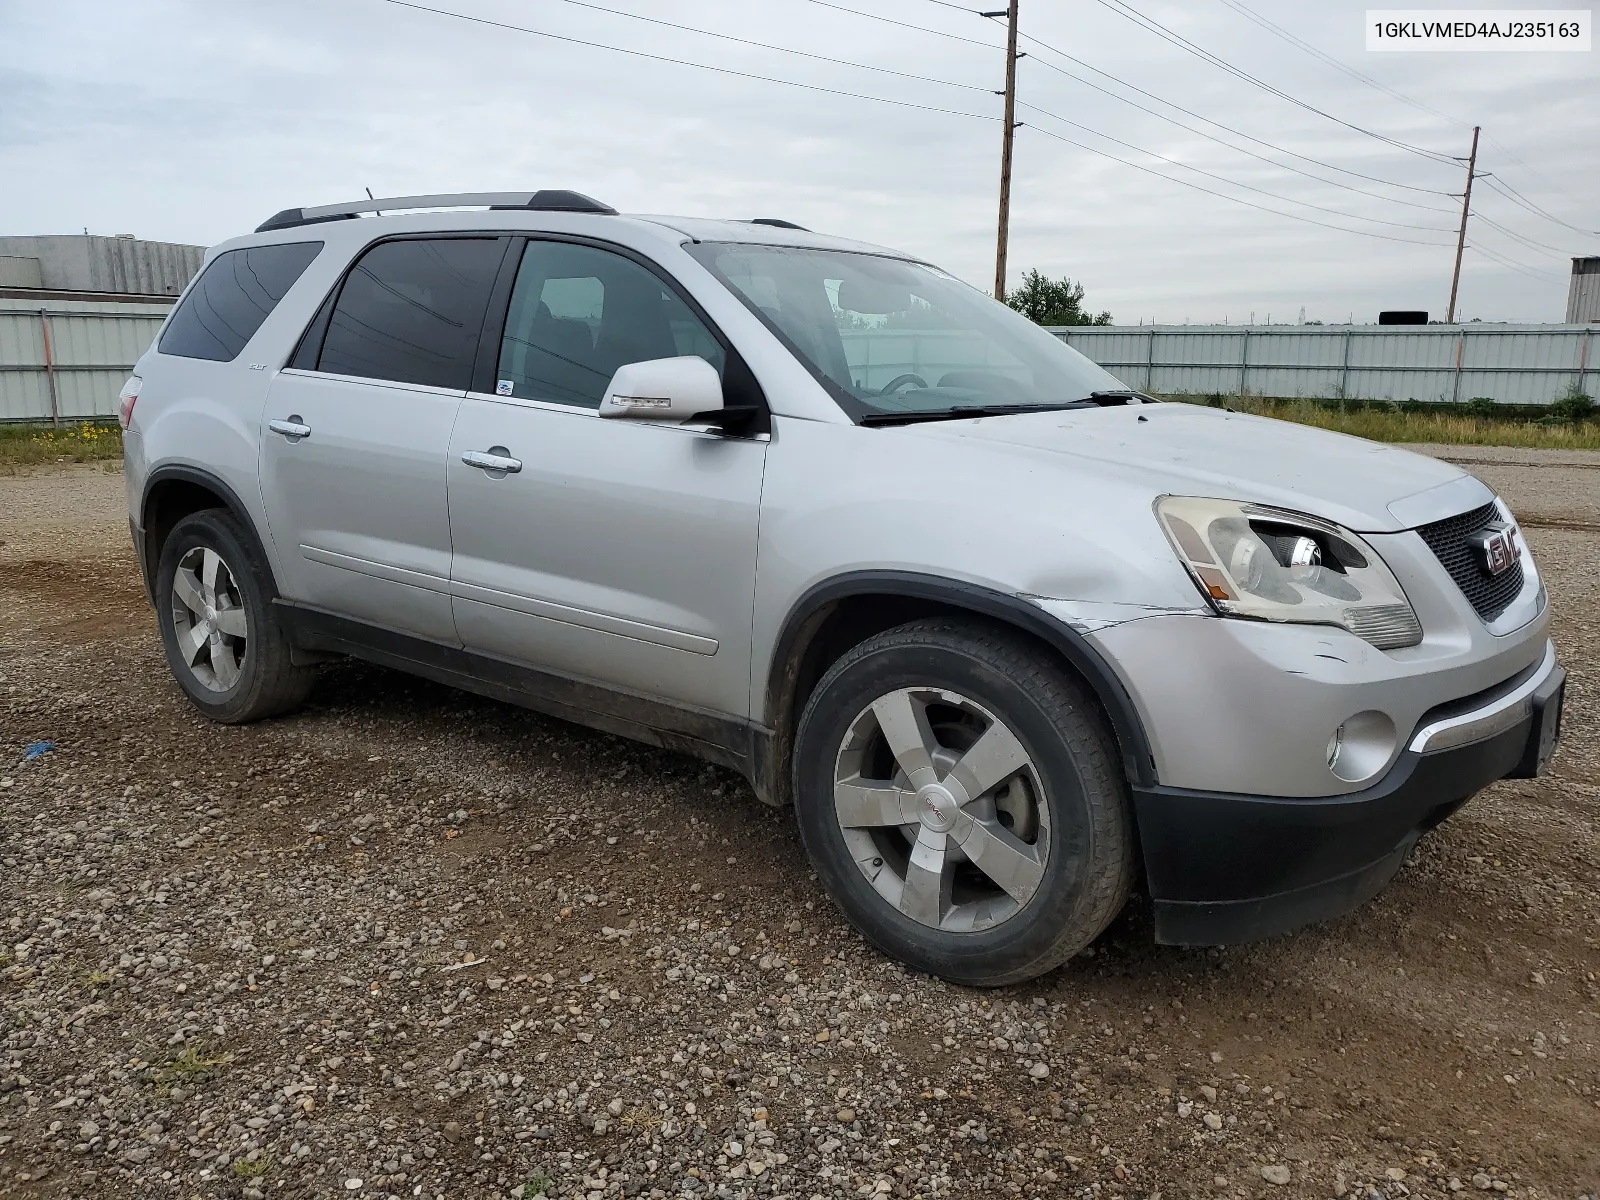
(76, 310)
(1583, 297)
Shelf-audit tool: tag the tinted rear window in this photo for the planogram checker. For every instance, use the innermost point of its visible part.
(235, 293)
(412, 310)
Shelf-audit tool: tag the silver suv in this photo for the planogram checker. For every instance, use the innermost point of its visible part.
(1011, 638)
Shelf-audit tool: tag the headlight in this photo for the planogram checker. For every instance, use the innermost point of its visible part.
(1273, 565)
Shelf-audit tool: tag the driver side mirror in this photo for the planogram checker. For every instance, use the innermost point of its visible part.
(663, 389)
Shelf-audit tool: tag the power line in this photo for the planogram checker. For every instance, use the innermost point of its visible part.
(1521, 201)
(728, 37)
(1309, 48)
(1529, 168)
(871, 16)
(1526, 241)
(409, 4)
(1520, 268)
(560, 37)
(1046, 63)
(1235, 199)
(1224, 179)
(588, 4)
(1043, 45)
(1150, 25)
(1280, 32)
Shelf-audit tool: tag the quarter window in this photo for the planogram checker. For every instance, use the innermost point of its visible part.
(237, 292)
(412, 311)
(578, 313)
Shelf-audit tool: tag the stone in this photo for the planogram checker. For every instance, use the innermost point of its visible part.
(1276, 1173)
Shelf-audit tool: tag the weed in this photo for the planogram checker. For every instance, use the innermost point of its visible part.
(78, 441)
(1574, 405)
(537, 1184)
(253, 1168)
(191, 1066)
(1507, 425)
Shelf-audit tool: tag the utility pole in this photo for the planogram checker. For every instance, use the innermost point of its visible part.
(1461, 238)
(1005, 150)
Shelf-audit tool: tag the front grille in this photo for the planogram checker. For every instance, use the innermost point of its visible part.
(1450, 541)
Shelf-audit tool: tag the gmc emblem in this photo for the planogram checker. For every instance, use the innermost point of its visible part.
(1497, 549)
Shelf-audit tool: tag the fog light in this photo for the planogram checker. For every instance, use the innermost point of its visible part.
(1361, 746)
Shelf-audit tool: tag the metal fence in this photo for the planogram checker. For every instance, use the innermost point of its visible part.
(1511, 364)
(68, 359)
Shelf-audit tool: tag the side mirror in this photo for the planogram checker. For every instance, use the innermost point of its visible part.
(663, 389)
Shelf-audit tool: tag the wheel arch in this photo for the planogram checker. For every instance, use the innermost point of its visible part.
(840, 612)
(175, 491)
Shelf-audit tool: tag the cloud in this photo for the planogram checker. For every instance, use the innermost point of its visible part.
(189, 121)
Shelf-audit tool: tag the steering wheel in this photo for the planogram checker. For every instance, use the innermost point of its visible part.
(894, 384)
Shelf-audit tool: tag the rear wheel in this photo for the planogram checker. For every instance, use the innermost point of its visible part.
(958, 796)
(224, 646)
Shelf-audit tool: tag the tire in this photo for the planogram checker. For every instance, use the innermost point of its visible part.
(1055, 831)
(242, 671)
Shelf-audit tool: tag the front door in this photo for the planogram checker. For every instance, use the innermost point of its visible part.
(617, 551)
(355, 435)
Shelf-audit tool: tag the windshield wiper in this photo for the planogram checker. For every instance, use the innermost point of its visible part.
(1122, 394)
(961, 412)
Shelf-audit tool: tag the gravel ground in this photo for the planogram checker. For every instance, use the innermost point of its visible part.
(412, 943)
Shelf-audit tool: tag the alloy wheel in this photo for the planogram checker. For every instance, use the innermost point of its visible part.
(942, 809)
(209, 619)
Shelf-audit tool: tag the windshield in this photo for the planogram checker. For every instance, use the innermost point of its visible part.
(888, 336)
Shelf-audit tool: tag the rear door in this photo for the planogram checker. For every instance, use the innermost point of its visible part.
(357, 428)
(618, 551)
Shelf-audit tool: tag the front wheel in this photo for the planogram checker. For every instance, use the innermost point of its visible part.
(957, 794)
(223, 643)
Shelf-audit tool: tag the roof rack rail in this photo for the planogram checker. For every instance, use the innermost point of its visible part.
(777, 223)
(546, 200)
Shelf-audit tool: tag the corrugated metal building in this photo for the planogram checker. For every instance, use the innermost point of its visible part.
(1583, 297)
(76, 312)
(75, 262)
(1512, 364)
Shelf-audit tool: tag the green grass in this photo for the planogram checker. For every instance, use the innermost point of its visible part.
(536, 1185)
(253, 1168)
(1469, 424)
(1456, 425)
(74, 441)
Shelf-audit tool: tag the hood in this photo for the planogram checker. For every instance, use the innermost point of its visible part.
(1184, 449)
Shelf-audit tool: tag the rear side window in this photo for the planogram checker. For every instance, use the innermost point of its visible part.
(237, 291)
(411, 311)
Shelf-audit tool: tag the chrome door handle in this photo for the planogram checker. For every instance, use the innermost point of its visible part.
(293, 428)
(496, 460)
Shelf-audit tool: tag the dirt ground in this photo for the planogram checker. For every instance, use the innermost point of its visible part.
(407, 942)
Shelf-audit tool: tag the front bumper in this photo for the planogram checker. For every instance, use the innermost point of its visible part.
(1225, 868)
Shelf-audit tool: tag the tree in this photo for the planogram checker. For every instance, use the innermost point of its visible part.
(1046, 301)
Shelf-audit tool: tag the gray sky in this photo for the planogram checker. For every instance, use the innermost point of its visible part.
(192, 121)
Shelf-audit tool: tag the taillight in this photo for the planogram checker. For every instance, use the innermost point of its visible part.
(127, 399)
